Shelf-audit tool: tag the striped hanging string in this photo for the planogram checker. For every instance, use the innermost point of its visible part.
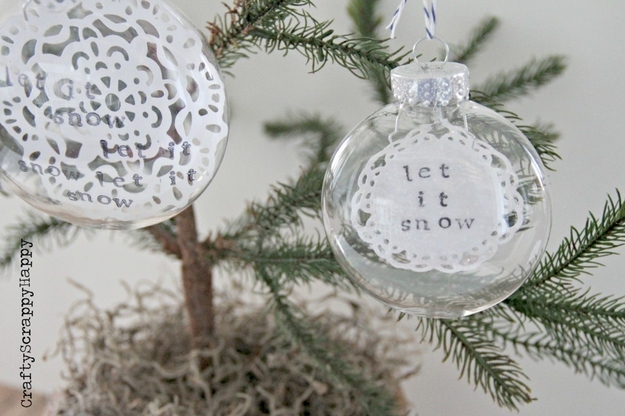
(429, 11)
(396, 16)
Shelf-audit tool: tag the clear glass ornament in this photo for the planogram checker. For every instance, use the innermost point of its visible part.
(114, 111)
(436, 205)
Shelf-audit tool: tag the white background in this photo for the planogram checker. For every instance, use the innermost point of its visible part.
(586, 105)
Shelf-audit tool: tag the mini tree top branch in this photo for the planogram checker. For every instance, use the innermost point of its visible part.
(283, 25)
(367, 22)
(477, 39)
(319, 45)
(229, 34)
(522, 81)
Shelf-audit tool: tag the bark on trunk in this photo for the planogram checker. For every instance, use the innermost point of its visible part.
(197, 280)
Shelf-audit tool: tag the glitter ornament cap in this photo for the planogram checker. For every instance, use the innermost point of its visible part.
(431, 84)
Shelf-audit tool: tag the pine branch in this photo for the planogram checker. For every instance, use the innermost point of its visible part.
(230, 38)
(366, 19)
(301, 261)
(609, 371)
(318, 44)
(320, 135)
(158, 238)
(603, 308)
(541, 136)
(570, 318)
(600, 335)
(477, 38)
(268, 234)
(522, 81)
(283, 208)
(479, 360)
(581, 250)
(42, 232)
(283, 25)
(375, 399)
(543, 139)
(538, 345)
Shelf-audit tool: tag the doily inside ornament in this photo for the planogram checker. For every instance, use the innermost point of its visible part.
(110, 107)
(432, 201)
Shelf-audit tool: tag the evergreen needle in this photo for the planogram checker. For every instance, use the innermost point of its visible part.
(522, 81)
(44, 231)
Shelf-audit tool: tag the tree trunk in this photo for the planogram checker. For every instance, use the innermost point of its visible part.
(197, 280)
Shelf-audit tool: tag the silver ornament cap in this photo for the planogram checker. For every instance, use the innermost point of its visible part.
(431, 84)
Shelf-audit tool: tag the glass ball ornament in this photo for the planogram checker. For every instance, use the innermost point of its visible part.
(114, 112)
(436, 205)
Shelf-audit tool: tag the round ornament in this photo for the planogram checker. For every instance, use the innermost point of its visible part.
(114, 112)
(436, 205)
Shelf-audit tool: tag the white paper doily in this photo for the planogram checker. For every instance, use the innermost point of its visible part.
(437, 203)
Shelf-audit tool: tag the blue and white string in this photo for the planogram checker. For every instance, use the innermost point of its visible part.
(396, 16)
(429, 12)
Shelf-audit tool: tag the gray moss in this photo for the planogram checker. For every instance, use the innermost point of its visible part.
(135, 359)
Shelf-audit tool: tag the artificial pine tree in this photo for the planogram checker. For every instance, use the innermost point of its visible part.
(550, 317)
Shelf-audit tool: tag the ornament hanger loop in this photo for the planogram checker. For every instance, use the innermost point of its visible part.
(416, 45)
